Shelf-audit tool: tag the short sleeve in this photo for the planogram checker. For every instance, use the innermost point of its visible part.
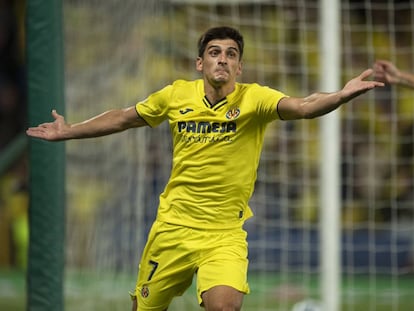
(269, 99)
(154, 109)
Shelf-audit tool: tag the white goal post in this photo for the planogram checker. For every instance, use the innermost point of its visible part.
(330, 224)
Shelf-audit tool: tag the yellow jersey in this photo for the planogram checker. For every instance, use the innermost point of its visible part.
(216, 150)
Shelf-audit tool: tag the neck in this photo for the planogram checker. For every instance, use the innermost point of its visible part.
(216, 93)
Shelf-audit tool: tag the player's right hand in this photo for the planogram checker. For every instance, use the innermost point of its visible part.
(51, 131)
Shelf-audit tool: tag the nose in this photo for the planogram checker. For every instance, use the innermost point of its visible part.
(222, 58)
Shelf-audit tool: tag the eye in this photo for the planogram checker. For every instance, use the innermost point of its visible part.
(214, 53)
(231, 54)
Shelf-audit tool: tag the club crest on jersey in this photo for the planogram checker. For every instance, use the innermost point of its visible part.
(145, 291)
(233, 113)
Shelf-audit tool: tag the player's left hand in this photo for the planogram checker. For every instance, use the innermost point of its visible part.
(359, 85)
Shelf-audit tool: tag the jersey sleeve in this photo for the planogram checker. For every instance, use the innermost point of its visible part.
(269, 99)
(154, 109)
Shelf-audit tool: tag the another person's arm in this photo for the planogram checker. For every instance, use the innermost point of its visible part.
(109, 122)
(387, 72)
(318, 104)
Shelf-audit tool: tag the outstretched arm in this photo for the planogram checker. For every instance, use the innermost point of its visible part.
(387, 72)
(109, 122)
(318, 104)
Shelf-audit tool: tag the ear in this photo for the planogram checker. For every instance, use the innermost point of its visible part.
(239, 69)
(199, 64)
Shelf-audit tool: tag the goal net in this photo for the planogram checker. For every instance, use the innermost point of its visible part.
(118, 52)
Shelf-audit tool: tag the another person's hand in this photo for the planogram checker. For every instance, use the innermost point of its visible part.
(386, 72)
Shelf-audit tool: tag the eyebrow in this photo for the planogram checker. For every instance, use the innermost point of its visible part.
(229, 48)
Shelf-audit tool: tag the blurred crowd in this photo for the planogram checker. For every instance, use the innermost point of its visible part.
(13, 115)
(12, 76)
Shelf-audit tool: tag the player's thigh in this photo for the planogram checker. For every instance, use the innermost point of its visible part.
(166, 269)
(225, 264)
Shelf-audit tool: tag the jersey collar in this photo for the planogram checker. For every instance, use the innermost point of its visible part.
(216, 105)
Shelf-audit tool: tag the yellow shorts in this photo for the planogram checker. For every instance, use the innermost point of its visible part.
(173, 255)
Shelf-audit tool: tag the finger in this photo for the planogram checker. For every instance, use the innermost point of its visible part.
(377, 67)
(374, 84)
(56, 115)
(35, 132)
(366, 73)
(381, 63)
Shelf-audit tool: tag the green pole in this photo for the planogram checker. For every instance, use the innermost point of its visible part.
(47, 160)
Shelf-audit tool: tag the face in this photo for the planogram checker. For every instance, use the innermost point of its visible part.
(220, 63)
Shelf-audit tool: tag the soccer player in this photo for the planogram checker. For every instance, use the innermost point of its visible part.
(217, 126)
(387, 72)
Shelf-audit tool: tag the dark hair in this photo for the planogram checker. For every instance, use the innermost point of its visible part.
(222, 32)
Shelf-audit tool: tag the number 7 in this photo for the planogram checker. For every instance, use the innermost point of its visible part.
(154, 267)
